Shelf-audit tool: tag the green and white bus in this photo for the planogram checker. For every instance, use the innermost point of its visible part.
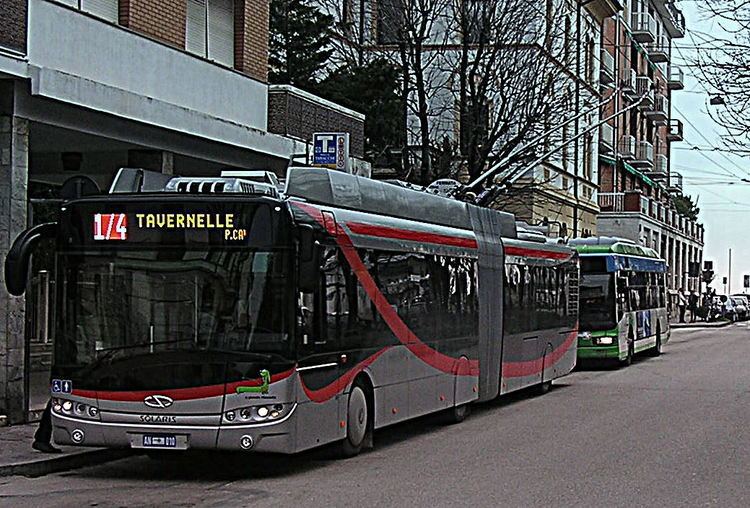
(623, 299)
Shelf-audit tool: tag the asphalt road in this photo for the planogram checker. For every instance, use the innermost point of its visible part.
(667, 431)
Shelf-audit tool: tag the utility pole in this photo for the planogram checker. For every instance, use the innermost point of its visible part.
(729, 280)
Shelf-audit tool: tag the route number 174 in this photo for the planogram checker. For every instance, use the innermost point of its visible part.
(110, 226)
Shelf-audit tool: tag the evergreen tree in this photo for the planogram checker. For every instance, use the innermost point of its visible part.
(374, 90)
(298, 42)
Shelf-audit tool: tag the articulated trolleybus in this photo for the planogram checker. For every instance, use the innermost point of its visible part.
(200, 313)
(623, 299)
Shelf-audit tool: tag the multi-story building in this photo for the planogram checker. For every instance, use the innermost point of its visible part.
(89, 86)
(636, 181)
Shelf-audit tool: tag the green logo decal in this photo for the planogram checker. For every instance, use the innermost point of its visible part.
(265, 376)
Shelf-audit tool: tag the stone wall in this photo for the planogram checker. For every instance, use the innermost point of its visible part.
(14, 142)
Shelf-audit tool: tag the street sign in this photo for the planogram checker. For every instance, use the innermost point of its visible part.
(331, 150)
(747, 281)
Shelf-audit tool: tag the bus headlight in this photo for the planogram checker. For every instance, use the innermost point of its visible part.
(257, 414)
(77, 409)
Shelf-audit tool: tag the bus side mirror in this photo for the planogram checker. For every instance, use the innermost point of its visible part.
(19, 255)
(309, 259)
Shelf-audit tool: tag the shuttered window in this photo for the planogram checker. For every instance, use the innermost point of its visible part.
(210, 30)
(105, 9)
(195, 33)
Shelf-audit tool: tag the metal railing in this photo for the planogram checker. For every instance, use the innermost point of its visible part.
(612, 201)
(644, 152)
(660, 164)
(627, 147)
(676, 80)
(643, 26)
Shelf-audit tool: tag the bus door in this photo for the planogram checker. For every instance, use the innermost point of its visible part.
(40, 299)
(322, 312)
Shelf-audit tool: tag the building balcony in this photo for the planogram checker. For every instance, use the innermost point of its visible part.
(661, 170)
(643, 26)
(674, 22)
(627, 147)
(607, 68)
(644, 155)
(658, 51)
(675, 130)
(645, 88)
(675, 182)
(628, 85)
(659, 112)
(606, 138)
(676, 80)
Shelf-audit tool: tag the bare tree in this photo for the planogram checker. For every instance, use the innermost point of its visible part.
(724, 62)
(512, 58)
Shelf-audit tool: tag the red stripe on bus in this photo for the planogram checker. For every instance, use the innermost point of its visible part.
(198, 392)
(511, 250)
(403, 333)
(532, 367)
(329, 391)
(359, 228)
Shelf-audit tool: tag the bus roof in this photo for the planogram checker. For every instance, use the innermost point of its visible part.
(611, 245)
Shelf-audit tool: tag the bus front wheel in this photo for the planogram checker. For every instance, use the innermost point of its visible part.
(629, 358)
(356, 422)
(657, 349)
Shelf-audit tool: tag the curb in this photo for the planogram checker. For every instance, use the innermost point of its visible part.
(685, 326)
(63, 463)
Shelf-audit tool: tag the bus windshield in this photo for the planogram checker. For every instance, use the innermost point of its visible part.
(597, 302)
(136, 303)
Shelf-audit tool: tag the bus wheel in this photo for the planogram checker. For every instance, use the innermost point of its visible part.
(543, 387)
(457, 414)
(628, 359)
(656, 350)
(356, 423)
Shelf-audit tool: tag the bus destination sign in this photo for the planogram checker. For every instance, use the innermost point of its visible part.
(114, 226)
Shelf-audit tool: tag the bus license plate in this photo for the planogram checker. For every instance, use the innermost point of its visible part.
(159, 441)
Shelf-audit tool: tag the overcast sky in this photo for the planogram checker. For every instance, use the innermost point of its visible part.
(725, 209)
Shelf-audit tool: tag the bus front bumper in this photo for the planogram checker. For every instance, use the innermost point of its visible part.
(277, 437)
(592, 352)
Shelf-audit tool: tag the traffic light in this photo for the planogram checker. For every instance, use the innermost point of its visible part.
(694, 269)
(724, 280)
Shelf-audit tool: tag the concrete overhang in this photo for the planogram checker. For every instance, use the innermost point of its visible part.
(602, 9)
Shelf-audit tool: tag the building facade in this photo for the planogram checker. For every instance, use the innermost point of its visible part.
(89, 86)
(637, 185)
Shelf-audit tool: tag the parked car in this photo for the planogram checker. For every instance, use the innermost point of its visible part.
(727, 307)
(742, 305)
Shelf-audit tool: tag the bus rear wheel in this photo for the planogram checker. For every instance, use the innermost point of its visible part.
(356, 423)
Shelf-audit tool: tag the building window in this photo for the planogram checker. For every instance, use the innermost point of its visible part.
(209, 31)
(104, 9)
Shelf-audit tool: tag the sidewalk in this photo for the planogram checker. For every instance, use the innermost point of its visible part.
(18, 458)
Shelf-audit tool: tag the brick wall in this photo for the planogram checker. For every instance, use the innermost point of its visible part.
(13, 24)
(298, 117)
(251, 20)
(163, 20)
